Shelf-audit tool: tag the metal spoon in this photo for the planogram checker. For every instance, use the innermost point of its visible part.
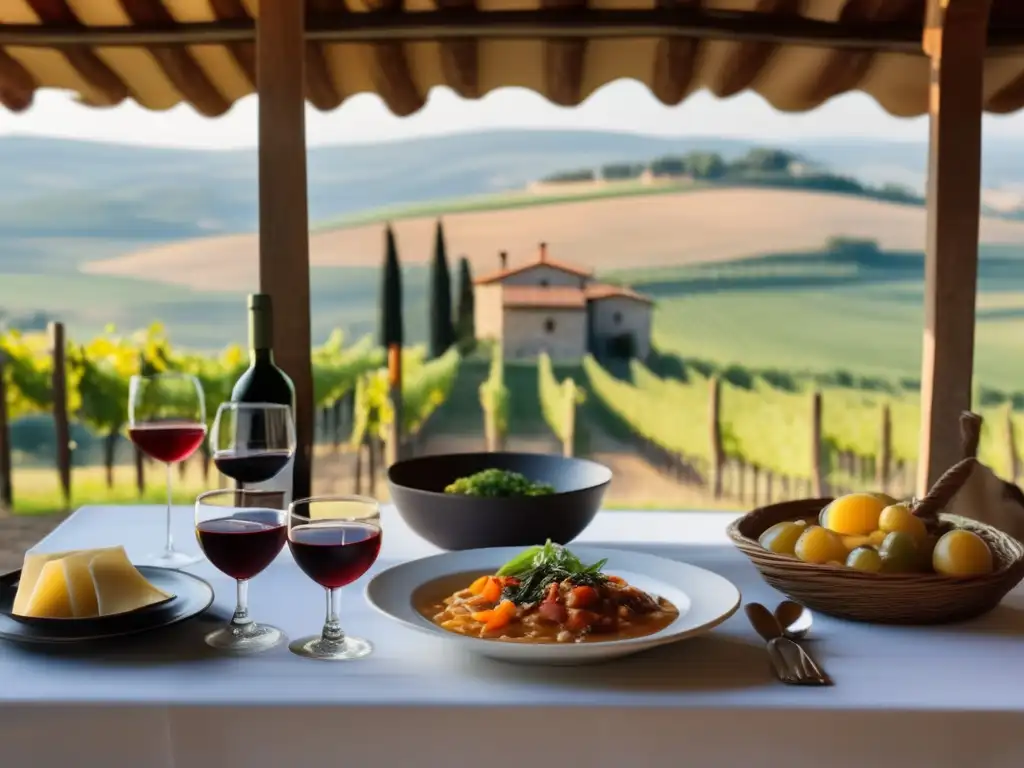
(766, 625)
(763, 622)
(794, 619)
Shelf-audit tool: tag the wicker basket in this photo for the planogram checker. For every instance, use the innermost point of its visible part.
(873, 597)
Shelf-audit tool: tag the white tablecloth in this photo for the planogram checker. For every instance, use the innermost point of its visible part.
(949, 696)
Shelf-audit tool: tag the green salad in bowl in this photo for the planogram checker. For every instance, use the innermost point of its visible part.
(498, 484)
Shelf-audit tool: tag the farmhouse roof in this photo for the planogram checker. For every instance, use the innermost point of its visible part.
(599, 291)
(549, 297)
(163, 52)
(542, 260)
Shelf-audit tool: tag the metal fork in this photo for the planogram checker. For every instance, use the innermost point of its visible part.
(794, 665)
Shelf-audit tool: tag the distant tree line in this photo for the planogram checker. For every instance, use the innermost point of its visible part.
(759, 167)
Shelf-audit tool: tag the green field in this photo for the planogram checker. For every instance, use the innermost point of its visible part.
(505, 201)
(826, 312)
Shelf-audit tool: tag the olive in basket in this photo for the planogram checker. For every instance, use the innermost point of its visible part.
(875, 533)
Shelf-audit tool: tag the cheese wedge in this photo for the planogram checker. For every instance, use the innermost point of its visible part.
(62, 585)
(51, 598)
(119, 586)
(30, 571)
(84, 604)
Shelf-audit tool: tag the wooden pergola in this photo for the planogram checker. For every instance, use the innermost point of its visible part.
(953, 59)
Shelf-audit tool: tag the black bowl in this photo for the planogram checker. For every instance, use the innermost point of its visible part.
(452, 521)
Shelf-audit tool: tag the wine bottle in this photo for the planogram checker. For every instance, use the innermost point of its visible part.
(264, 382)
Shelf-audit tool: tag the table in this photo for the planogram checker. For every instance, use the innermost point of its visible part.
(949, 696)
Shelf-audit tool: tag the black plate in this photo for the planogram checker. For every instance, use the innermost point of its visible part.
(192, 596)
(9, 589)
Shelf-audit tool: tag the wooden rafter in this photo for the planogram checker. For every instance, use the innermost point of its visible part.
(107, 88)
(17, 86)
(844, 70)
(320, 88)
(391, 74)
(954, 40)
(460, 23)
(176, 61)
(753, 54)
(564, 59)
(243, 52)
(675, 64)
(460, 58)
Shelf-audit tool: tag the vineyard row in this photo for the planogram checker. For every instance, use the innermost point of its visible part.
(46, 373)
(819, 440)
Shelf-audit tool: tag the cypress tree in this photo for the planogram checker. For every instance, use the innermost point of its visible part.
(391, 294)
(465, 322)
(441, 332)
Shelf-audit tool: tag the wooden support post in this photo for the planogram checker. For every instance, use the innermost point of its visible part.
(817, 470)
(59, 384)
(284, 216)
(6, 489)
(883, 466)
(717, 450)
(955, 37)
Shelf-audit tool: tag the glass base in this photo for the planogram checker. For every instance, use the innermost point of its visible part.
(250, 638)
(346, 649)
(172, 559)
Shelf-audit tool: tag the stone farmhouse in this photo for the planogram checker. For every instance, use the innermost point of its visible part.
(550, 306)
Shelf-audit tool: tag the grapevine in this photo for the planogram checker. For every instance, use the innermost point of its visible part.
(558, 400)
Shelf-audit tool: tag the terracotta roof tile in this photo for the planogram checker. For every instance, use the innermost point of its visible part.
(501, 274)
(552, 297)
(598, 291)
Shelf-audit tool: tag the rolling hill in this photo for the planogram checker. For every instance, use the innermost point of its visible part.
(650, 231)
(88, 189)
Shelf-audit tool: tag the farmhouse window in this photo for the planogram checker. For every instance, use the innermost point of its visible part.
(549, 325)
(617, 318)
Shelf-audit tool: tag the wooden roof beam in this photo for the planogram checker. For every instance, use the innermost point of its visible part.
(459, 58)
(462, 23)
(177, 63)
(107, 88)
(954, 40)
(675, 63)
(17, 86)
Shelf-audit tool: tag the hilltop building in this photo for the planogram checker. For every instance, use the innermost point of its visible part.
(549, 306)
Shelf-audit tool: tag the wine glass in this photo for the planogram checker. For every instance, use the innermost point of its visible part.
(252, 442)
(167, 421)
(241, 532)
(334, 540)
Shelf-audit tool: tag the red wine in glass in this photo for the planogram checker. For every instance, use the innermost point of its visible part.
(253, 467)
(335, 553)
(242, 544)
(169, 442)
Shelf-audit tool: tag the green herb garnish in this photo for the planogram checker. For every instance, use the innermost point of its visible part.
(538, 568)
(497, 484)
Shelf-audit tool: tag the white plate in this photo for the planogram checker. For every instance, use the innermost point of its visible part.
(704, 600)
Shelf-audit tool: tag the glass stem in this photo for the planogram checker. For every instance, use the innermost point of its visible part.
(241, 618)
(169, 546)
(332, 627)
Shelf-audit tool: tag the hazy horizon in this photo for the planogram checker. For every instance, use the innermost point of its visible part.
(622, 106)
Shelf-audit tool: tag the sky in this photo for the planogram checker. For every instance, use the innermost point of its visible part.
(623, 106)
